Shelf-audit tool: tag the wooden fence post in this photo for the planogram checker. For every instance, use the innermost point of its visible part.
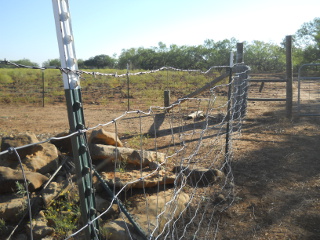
(289, 76)
(166, 98)
(240, 85)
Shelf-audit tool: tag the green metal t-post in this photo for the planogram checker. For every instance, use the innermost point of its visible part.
(76, 117)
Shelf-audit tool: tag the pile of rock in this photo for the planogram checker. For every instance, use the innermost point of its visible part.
(40, 161)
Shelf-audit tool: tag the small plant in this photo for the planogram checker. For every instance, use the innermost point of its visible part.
(21, 191)
(136, 141)
(64, 214)
(121, 166)
(3, 227)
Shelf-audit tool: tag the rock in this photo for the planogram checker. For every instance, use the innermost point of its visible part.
(125, 155)
(41, 158)
(18, 141)
(103, 137)
(51, 192)
(39, 227)
(64, 145)
(44, 161)
(117, 229)
(196, 115)
(12, 207)
(9, 177)
(103, 204)
(151, 213)
(200, 176)
(21, 236)
(148, 178)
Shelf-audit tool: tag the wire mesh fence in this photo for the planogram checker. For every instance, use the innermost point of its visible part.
(169, 176)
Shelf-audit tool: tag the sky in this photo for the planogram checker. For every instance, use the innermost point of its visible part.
(27, 28)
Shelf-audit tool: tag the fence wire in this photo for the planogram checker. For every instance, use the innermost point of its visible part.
(196, 151)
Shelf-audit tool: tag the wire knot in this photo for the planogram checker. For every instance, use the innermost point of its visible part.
(11, 150)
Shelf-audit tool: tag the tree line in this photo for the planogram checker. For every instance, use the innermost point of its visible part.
(259, 55)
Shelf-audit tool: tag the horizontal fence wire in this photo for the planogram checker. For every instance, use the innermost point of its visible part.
(187, 145)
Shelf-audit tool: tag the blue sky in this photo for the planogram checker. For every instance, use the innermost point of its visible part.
(27, 28)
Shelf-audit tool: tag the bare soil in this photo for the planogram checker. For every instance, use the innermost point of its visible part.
(275, 165)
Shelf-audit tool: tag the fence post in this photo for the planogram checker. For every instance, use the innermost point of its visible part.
(128, 87)
(166, 98)
(240, 85)
(43, 87)
(76, 118)
(289, 76)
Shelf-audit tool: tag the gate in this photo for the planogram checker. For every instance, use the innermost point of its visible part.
(309, 90)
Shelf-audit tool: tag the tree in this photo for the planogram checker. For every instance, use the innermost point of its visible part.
(265, 57)
(24, 61)
(308, 39)
(52, 63)
(100, 61)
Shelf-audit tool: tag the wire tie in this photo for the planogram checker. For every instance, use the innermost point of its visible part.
(80, 132)
(11, 150)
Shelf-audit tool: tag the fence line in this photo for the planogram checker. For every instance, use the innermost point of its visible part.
(177, 152)
(80, 72)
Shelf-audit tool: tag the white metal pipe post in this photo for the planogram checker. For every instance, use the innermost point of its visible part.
(72, 88)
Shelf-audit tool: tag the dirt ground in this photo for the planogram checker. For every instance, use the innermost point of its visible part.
(275, 165)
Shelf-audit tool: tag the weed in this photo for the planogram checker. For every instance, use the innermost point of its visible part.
(3, 227)
(137, 141)
(21, 191)
(64, 214)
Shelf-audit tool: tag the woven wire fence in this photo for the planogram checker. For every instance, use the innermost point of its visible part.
(169, 178)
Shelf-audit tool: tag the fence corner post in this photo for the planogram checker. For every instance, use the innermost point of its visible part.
(289, 76)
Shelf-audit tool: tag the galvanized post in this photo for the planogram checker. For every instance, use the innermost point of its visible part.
(76, 117)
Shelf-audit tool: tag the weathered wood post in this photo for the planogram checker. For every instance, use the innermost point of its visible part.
(166, 98)
(240, 85)
(289, 76)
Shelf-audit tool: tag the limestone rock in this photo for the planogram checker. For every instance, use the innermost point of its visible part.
(196, 115)
(103, 204)
(9, 177)
(41, 158)
(131, 178)
(64, 145)
(151, 213)
(118, 230)
(200, 176)
(51, 192)
(126, 155)
(18, 141)
(12, 207)
(103, 137)
(44, 161)
(39, 227)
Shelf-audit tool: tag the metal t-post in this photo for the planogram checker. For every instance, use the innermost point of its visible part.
(76, 118)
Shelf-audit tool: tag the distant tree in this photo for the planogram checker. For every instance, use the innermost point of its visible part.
(308, 39)
(100, 61)
(81, 63)
(265, 57)
(127, 56)
(24, 61)
(52, 63)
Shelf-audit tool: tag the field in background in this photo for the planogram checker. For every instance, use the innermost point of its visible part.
(30, 86)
